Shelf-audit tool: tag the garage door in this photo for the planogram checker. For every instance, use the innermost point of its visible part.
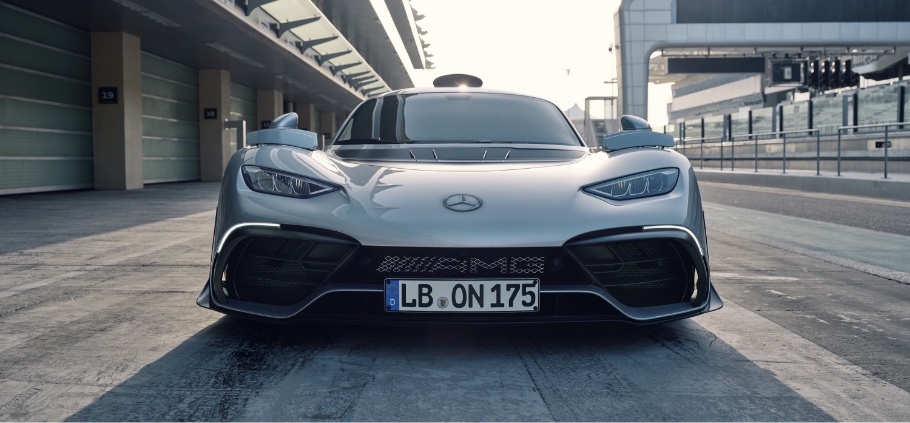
(243, 107)
(45, 104)
(170, 121)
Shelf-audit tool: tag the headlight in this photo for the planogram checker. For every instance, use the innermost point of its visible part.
(279, 183)
(647, 184)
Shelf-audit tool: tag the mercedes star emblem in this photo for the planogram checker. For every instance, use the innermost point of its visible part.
(461, 202)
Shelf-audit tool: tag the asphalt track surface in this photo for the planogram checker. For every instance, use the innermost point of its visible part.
(98, 322)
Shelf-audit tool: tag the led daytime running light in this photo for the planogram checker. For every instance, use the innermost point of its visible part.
(270, 181)
(641, 185)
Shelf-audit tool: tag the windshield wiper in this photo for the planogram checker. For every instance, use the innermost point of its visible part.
(365, 141)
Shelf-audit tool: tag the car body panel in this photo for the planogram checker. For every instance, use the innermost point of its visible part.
(398, 202)
(393, 205)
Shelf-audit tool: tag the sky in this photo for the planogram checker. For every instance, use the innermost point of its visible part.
(526, 46)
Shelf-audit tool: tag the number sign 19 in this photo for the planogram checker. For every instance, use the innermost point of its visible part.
(107, 95)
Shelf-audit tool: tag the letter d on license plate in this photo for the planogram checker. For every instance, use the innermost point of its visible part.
(460, 296)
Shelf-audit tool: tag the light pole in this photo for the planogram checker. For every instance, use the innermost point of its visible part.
(568, 90)
(612, 65)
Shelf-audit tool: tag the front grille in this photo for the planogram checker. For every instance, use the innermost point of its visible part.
(277, 270)
(641, 273)
(375, 264)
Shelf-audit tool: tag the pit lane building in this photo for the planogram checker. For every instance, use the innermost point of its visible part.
(721, 54)
(115, 94)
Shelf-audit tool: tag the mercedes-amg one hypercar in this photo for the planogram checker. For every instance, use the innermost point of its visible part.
(459, 204)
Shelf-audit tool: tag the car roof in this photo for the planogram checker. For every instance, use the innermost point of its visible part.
(423, 90)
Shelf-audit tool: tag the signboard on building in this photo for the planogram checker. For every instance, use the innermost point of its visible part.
(788, 73)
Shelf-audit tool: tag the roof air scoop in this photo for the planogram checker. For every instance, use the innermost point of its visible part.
(289, 121)
(636, 132)
(457, 80)
(283, 131)
(634, 123)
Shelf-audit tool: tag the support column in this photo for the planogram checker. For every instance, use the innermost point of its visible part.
(327, 126)
(216, 145)
(306, 115)
(117, 124)
(269, 105)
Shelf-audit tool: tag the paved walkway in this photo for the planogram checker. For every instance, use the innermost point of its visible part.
(896, 187)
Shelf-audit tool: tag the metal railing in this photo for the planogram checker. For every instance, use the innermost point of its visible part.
(783, 135)
(818, 157)
(841, 129)
(701, 154)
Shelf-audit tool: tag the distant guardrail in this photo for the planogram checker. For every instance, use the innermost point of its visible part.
(723, 142)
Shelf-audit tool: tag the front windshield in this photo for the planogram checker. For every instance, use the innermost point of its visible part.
(457, 118)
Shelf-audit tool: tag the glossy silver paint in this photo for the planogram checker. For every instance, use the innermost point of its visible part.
(524, 204)
(401, 204)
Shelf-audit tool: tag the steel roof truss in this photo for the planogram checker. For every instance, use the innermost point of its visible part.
(281, 28)
(326, 57)
(357, 82)
(339, 68)
(350, 77)
(253, 4)
(304, 45)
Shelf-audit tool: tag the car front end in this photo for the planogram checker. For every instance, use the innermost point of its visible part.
(486, 232)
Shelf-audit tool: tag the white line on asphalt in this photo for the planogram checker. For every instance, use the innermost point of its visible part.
(783, 191)
(90, 268)
(871, 269)
(845, 391)
(869, 251)
(732, 275)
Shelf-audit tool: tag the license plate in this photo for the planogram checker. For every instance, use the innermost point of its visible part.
(460, 296)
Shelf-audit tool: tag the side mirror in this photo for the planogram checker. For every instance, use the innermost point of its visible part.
(283, 131)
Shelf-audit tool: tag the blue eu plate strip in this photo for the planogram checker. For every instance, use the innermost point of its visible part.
(391, 295)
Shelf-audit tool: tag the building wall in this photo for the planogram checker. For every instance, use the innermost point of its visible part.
(45, 104)
(645, 26)
(243, 107)
(740, 88)
(757, 11)
(170, 121)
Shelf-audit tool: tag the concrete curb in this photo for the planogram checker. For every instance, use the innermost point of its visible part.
(892, 190)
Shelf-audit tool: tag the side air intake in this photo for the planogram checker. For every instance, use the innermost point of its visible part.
(277, 270)
(641, 273)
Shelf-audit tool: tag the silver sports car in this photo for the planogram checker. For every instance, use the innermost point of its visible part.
(459, 204)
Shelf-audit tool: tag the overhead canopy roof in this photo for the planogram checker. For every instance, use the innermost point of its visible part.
(361, 22)
(264, 44)
(660, 71)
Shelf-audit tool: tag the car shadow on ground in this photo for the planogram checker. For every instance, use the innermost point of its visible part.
(242, 370)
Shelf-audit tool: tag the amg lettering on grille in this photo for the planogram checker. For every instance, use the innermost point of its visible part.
(504, 265)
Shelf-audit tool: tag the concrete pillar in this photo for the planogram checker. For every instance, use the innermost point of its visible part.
(269, 105)
(117, 124)
(327, 125)
(306, 115)
(216, 145)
